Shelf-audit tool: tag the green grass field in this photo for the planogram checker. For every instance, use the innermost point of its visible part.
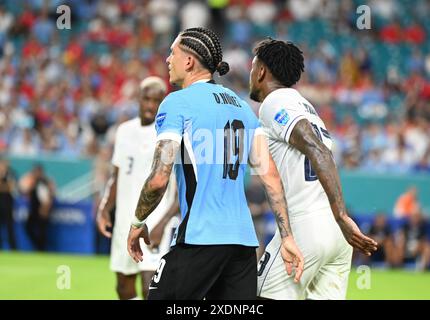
(35, 276)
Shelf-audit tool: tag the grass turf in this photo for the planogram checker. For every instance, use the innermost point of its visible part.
(35, 276)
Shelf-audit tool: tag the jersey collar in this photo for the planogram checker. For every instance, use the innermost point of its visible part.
(203, 81)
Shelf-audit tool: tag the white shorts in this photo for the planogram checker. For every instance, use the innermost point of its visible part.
(327, 262)
(120, 260)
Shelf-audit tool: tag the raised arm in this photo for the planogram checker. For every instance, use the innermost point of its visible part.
(263, 165)
(107, 203)
(303, 138)
(151, 194)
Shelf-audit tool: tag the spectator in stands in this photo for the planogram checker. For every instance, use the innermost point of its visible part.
(43, 29)
(384, 8)
(304, 10)
(4, 132)
(262, 14)
(194, 13)
(399, 158)
(163, 20)
(7, 188)
(40, 191)
(424, 164)
(407, 204)
(25, 143)
(240, 27)
(415, 34)
(349, 69)
(392, 33)
(51, 77)
(373, 162)
(414, 246)
(6, 22)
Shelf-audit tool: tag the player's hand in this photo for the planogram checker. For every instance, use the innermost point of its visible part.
(104, 222)
(355, 237)
(292, 257)
(156, 235)
(133, 243)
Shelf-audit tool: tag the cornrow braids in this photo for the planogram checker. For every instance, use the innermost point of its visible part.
(195, 43)
(205, 44)
(214, 42)
(284, 60)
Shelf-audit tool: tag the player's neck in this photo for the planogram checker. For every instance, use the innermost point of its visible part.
(269, 88)
(193, 77)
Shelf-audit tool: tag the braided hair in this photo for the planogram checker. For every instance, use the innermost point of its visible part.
(205, 45)
(283, 59)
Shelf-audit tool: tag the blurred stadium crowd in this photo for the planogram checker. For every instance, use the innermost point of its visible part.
(64, 92)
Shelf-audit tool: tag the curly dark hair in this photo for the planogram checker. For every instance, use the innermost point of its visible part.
(205, 45)
(282, 58)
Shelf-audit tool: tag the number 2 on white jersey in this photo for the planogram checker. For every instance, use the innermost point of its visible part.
(310, 174)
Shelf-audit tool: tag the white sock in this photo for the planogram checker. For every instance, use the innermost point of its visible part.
(136, 298)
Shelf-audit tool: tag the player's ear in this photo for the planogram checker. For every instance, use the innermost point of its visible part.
(189, 62)
(261, 72)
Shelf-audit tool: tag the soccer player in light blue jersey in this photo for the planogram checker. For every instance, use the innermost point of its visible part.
(209, 135)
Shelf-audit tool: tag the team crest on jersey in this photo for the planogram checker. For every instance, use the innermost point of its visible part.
(282, 117)
(160, 119)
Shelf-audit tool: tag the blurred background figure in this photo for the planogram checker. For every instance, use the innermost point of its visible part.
(407, 204)
(40, 192)
(381, 231)
(413, 243)
(7, 189)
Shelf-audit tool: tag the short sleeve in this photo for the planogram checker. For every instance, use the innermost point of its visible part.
(279, 121)
(118, 148)
(170, 119)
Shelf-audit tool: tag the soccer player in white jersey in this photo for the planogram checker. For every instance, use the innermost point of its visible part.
(300, 146)
(132, 158)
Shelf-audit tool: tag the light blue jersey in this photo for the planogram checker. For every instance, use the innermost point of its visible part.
(216, 129)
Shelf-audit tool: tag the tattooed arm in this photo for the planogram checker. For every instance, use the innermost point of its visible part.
(303, 138)
(152, 193)
(156, 184)
(264, 166)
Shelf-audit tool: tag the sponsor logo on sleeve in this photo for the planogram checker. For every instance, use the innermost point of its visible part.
(282, 117)
(160, 119)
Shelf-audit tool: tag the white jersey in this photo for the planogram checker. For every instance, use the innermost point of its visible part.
(133, 154)
(279, 113)
(327, 258)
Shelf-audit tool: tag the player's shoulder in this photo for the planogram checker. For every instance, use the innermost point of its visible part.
(286, 97)
(173, 100)
(128, 128)
(129, 125)
(177, 95)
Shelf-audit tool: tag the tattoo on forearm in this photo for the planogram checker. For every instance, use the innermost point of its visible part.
(329, 178)
(281, 225)
(279, 206)
(150, 196)
(304, 139)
